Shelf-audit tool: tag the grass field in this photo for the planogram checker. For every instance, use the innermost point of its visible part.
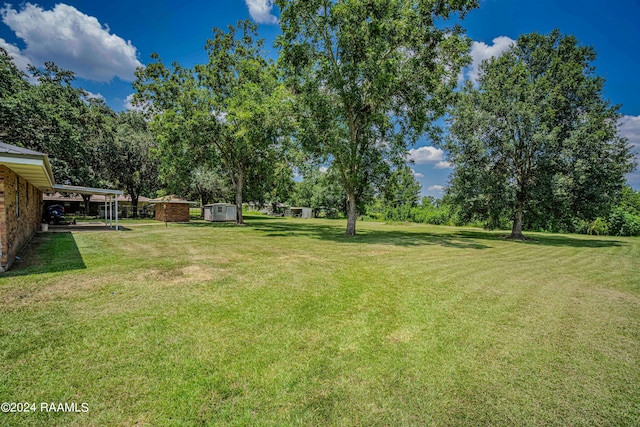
(287, 322)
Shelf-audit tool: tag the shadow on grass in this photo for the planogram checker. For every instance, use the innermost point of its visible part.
(456, 238)
(85, 227)
(48, 253)
(335, 233)
(540, 239)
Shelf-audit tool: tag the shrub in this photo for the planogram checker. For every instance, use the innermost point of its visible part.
(623, 223)
(598, 227)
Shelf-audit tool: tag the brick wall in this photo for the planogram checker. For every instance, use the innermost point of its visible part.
(176, 212)
(20, 214)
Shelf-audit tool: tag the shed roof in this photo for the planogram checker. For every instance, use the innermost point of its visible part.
(169, 199)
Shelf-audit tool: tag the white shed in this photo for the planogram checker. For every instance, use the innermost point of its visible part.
(220, 212)
(300, 212)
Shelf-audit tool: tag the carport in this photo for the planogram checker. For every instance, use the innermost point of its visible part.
(24, 175)
(110, 198)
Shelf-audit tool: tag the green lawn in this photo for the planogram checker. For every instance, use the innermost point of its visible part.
(287, 322)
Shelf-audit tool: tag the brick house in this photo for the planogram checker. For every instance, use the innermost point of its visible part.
(24, 176)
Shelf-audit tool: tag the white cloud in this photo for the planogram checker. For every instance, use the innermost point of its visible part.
(260, 11)
(221, 116)
(19, 59)
(630, 129)
(424, 155)
(436, 188)
(72, 40)
(443, 165)
(417, 174)
(128, 104)
(323, 169)
(481, 51)
(91, 95)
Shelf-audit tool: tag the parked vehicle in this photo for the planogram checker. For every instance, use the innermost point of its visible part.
(53, 214)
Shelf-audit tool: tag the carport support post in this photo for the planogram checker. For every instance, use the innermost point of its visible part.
(106, 218)
(116, 212)
(110, 211)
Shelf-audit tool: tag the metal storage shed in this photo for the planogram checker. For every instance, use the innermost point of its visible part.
(220, 212)
(300, 212)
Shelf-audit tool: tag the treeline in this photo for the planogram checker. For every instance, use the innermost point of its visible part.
(398, 200)
(534, 143)
(622, 220)
(88, 143)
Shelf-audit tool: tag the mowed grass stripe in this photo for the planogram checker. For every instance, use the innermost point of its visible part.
(287, 322)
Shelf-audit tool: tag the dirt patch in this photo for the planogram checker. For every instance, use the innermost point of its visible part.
(189, 274)
(400, 336)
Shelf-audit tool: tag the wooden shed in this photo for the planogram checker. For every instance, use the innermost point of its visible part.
(171, 209)
(220, 212)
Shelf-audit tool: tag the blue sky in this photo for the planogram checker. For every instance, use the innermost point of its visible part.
(103, 42)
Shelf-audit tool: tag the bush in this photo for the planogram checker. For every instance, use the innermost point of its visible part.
(623, 223)
(580, 226)
(598, 227)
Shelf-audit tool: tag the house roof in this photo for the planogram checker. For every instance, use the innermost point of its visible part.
(14, 149)
(35, 168)
(31, 165)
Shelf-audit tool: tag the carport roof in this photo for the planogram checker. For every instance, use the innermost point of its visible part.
(85, 190)
(35, 168)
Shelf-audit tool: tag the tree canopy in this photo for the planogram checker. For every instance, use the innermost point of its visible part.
(370, 77)
(129, 158)
(230, 110)
(54, 117)
(535, 140)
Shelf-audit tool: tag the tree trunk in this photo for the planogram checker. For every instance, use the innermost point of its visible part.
(352, 214)
(134, 205)
(86, 198)
(239, 183)
(516, 230)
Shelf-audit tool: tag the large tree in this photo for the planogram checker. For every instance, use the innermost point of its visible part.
(229, 110)
(12, 80)
(371, 77)
(129, 159)
(53, 117)
(535, 139)
(319, 190)
(402, 188)
(209, 185)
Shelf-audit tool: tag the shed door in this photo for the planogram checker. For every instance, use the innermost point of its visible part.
(231, 213)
